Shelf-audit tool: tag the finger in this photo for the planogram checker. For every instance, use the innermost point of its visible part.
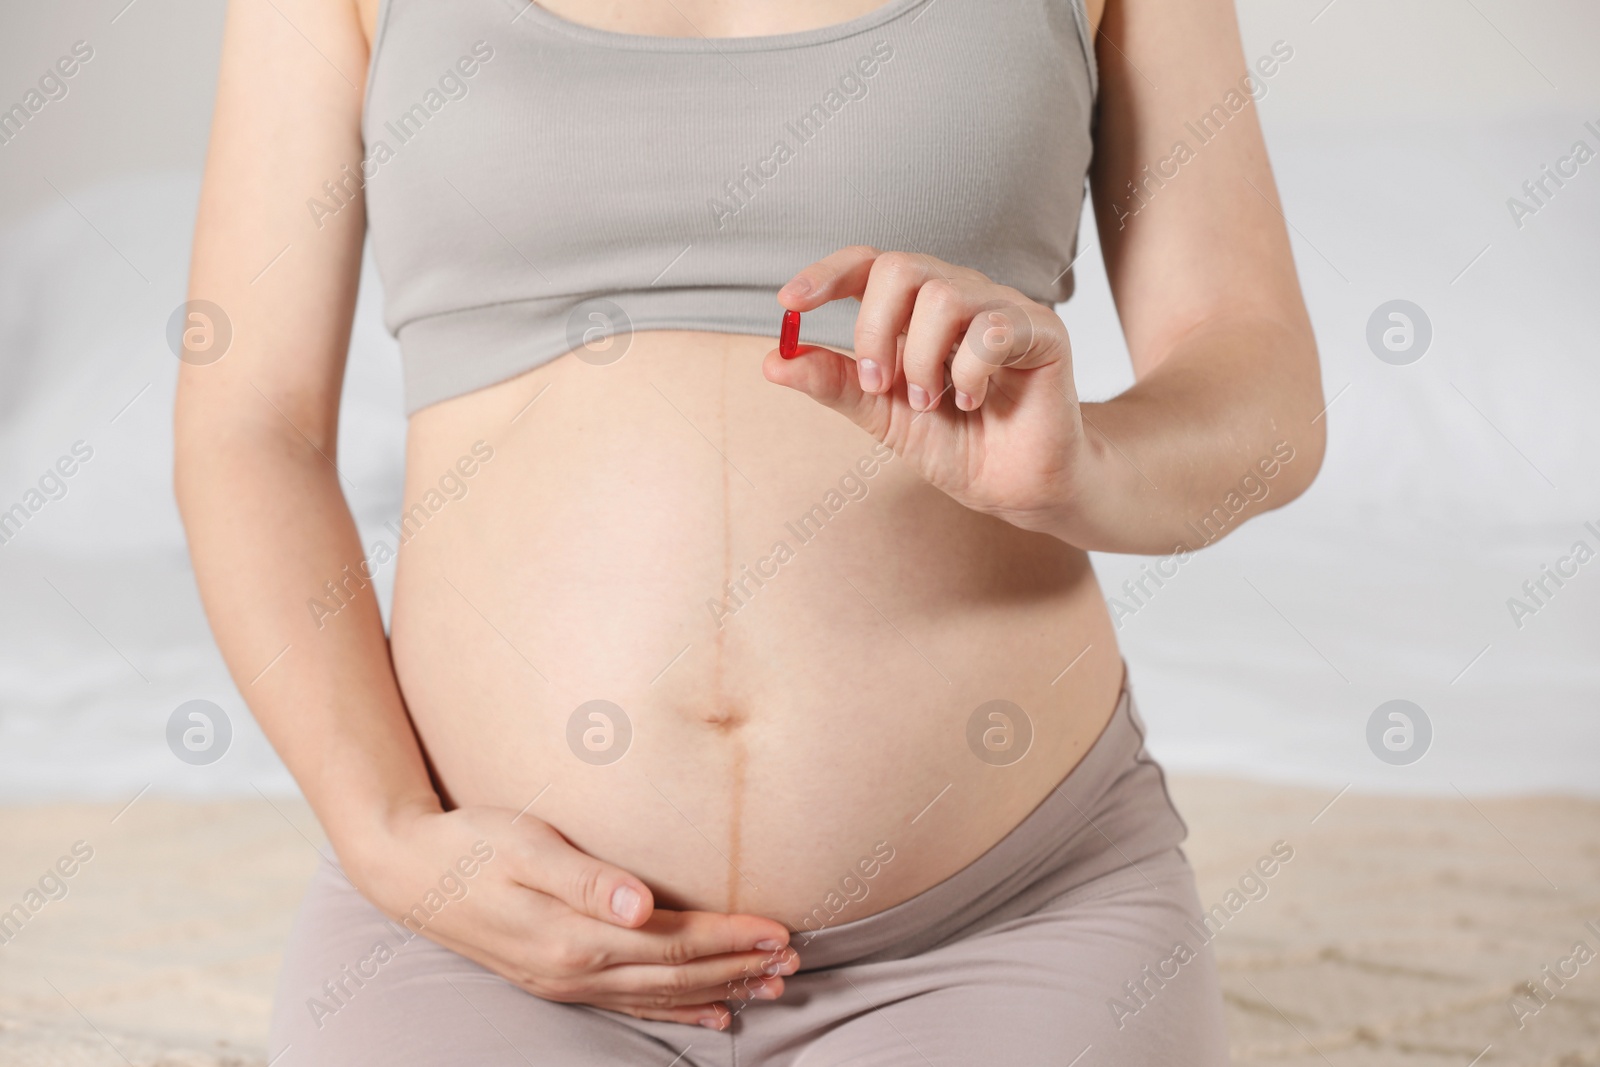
(713, 1016)
(875, 376)
(838, 275)
(681, 980)
(735, 978)
(589, 886)
(943, 311)
(677, 937)
(886, 309)
(742, 992)
(736, 994)
(1005, 335)
(832, 380)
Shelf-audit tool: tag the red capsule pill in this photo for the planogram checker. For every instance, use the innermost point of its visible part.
(789, 338)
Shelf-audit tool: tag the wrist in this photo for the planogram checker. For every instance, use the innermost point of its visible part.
(1090, 480)
(369, 840)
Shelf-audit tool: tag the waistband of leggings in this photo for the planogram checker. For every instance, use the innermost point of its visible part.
(1111, 811)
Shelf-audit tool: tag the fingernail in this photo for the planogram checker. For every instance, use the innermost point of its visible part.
(766, 992)
(785, 963)
(963, 401)
(711, 1022)
(918, 396)
(871, 375)
(797, 288)
(769, 945)
(625, 903)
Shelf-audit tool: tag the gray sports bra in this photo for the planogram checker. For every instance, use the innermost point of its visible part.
(534, 185)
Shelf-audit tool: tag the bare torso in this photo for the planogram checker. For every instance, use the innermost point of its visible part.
(793, 711)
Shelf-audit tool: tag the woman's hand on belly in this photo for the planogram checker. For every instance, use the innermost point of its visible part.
(1012, 442)
(509, 892)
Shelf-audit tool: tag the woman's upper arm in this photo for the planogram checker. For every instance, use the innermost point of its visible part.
(287, 119)
(1183, 190)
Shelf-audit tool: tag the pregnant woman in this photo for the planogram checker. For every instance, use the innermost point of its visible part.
(735, 709)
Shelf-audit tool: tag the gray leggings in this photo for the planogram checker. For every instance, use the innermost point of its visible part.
(1076, 940)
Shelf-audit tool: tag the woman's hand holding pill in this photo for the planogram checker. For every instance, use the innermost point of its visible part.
(967, 380)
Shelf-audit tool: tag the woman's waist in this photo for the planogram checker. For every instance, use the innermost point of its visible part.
(769, 765)
(715, 621)
(772, 787)
(812, 651)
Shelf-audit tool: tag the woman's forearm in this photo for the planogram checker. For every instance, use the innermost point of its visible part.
(268, 527)
(1227, 426)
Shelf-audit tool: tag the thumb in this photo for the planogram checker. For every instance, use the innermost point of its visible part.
(586, 885)
(832, 381)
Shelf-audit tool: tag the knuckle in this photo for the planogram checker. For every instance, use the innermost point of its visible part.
(1052, 325)
(566, 957)
(529, 857)
(939, 294)
(967, 377)
(898, 265)
(670, 983)
(744, 986)
(922, 365)
(871, 334)
(677, 952)
(676, 983)
(532, 836)
(1006, 312)
(585, 885)
(525, 872)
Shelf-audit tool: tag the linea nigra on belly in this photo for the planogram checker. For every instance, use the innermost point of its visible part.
(726, 719)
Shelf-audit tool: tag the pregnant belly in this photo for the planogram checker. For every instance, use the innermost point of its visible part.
(715, 634)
